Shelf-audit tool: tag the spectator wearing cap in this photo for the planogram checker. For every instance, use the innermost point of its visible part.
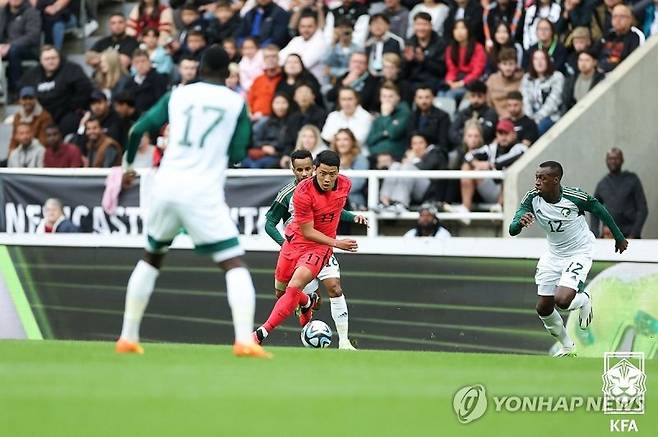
(381, 41)
(578, 85)
(428, 225)
(388, 133)
(621, 41)
(58, 153)
(506, 79)
(354, 12)
(30, 112)
(525, 127)
(478, 110)
(424, 54)
(580, 39)
(224, 24)
(61, 87)
(309, 45)
(465, 61)
(622, 194)
(28, 152)
(261, 93)
(542, 88)
(428, 120)
(266, 21)
(398, 16)
(118, 40)
(20, 31)
(54, 220)
(101, 150)
(147, 85)
(499, 155)
(650, 26)
(436, 9)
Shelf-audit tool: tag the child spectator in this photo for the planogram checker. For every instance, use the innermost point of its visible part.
(230, 46)
(225, 23)
(251, 64)
(150, 13)
(233, 79)
(159, 56)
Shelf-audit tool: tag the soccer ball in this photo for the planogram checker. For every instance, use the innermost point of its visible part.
(316, 334)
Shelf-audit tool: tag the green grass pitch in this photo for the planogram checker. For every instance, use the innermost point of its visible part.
(58, 388)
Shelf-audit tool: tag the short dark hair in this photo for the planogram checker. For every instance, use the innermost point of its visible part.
(153, 30)
(507, 54)
(93, 119)
(125, 97)
(197, 32)
(51, 126)
(328, 157)
(223, 4)
(418, 133)
(141, 53)
(118, 14)
(424, 87)
(423, 16)
(187, 57)
(214, 62)
(380, 16)
(190, 6)
(308, 13)
(300, 154)
(553, 165)
(515, 95)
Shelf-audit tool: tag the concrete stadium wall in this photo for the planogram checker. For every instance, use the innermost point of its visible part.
(622, 111)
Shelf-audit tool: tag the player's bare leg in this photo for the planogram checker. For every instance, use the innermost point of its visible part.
(286, 304)
(339, 311)
(140, 287)
(242, 300)
(555, 325)
(568, 299)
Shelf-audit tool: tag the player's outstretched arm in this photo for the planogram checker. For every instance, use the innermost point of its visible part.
(600, 211)
(152, 120)
(312, 234)
(272, 219)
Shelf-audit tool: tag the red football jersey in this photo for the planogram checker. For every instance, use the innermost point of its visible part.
(323, 208)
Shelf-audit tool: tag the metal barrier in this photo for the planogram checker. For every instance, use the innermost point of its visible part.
(373, 177)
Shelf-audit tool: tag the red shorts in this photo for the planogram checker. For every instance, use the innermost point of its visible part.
(313, 258)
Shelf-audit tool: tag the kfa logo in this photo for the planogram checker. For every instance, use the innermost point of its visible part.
(470, 403)
(565, 212)
(624, 387)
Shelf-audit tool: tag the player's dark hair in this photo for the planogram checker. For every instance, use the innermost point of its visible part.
(553, 165)
(300, 154)
(327, 157)
(214, 63)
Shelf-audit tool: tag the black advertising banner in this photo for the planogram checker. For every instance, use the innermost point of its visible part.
(22, 197)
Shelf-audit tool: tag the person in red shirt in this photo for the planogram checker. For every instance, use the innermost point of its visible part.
(58, 153)
(465, 61)
(310, 239)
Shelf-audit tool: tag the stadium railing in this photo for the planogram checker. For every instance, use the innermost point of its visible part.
(373, 176)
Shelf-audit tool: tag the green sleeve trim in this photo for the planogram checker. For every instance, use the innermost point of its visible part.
(585, 202)
(237, 149)
(346, 216)
(525, 207)
(152, 120)
(274, 215)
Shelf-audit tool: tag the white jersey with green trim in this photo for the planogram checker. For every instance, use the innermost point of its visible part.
(202, 121)
(564, 222)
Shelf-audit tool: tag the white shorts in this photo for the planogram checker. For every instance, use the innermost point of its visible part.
(205, 219)
(330, 270)
(553, 271)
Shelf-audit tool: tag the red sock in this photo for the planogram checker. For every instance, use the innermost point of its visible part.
(283, 308)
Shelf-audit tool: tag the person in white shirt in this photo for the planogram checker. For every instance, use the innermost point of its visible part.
(350, 115)
(309, 45)
(428, 225)
(437, 10)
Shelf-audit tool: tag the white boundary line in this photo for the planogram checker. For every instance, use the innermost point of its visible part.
(526, 248)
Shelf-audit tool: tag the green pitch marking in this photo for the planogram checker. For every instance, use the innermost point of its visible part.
(85, 389)
(18, 296)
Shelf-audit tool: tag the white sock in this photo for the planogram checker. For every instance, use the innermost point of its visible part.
(140, 287)
(578, 301)
(555, 326)
(242, 300)
(340, 316)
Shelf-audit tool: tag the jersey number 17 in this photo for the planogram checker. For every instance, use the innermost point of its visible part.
(218, 116)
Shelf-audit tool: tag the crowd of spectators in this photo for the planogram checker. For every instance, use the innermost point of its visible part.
(426, 85)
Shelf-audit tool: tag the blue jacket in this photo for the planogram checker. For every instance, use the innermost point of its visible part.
(273, 25)
(649, 16)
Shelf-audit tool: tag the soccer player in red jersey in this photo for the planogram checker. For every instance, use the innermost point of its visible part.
(310, 239)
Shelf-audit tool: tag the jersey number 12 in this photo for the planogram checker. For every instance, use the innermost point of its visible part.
(555, 225)
(218, 116)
